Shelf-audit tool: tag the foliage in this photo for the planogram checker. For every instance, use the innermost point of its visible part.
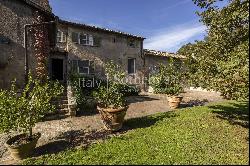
(128, 90)
(168, 80)
(111, 96)
(41, 45)
(83, 87)
(22, 111)
(191, 136)
(77, 90)
(221, 61)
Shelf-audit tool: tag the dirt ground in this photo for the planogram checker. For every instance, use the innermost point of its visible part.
(87, 128)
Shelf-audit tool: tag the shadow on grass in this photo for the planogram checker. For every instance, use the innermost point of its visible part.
(71, 139)
(76, 138)
(193, 103)
(147, 121)
(236, 114)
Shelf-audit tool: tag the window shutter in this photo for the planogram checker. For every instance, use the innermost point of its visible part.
(75, 37)
(91, 67)
(74, 65)
(52, 29)
(97, 41)
(64, 37)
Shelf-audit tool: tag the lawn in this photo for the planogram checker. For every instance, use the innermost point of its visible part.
(212, 134)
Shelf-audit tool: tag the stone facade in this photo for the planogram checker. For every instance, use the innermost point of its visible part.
(153, 60)
(14, 15)
(111, 46)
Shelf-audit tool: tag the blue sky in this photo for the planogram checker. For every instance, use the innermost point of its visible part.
(167, 24)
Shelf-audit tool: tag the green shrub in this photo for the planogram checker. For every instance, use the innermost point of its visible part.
(168, 80)
(128, 90)
(111, 95)
(83, 88)
(22, 111)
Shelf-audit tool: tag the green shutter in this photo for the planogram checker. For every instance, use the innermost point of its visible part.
(97, 41)
(74, 66)
(91, 67)
(75, 37)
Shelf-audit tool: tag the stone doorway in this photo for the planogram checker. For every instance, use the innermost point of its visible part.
(57, 69)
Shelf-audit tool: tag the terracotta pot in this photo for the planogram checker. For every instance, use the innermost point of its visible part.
(112, 118)
(174, 101)
(22, 151)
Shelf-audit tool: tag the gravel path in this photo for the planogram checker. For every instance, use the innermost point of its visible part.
(58, 135)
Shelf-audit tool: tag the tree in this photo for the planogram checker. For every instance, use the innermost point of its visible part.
(22, 111)
(221, 61)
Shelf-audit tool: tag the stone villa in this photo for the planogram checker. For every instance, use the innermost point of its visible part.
(85, 49)
(79, 47)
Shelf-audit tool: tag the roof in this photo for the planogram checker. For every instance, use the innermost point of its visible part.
(163, 54)
(40, 6)
(99, 29)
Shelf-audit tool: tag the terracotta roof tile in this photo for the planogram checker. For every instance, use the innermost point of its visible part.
(99, 28)
(164, 54)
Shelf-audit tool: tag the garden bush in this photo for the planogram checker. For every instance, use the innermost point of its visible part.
(168, 80)
(22, 111)
(112, 94)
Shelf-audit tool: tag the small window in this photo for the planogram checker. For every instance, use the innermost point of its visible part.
(83, 39)
(86, 39)
(113, 39)
(132, 43)
(61, 37)
(85, 67)
(131, 65)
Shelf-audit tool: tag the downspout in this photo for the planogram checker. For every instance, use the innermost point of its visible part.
(26, 67)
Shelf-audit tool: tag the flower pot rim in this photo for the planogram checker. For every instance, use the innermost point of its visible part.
(11, 139)
(107, 109)
(175, 96)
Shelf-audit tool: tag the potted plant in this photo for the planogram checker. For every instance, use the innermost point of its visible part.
(168, 80)
(20, 112)
(111, 101)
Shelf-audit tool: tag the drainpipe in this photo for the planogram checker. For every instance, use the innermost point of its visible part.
(26, 46)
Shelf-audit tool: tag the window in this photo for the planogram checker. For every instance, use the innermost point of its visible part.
(61, 37)
(113, 39)
(84, 39)
(83, 66)
(132, 43)
(131, 65)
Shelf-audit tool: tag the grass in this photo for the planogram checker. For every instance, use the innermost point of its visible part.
(213, 134)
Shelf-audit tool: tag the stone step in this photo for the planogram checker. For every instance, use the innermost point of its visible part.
(63, 111)
(61, 98)
(61, 106)
(56, 102)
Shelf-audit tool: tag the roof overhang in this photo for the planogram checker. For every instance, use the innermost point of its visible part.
(99, 29)
(148, 52)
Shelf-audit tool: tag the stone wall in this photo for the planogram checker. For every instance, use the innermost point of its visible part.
(152, 62)
(119, 51)
(15, 14)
